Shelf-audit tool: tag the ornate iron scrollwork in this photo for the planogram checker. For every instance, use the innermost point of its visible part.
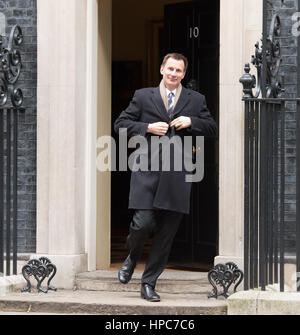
(274, 82)
(274, 60)
(10, 68)
(223, 275)
(40, 269)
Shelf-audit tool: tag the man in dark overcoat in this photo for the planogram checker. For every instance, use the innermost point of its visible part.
(160, 198)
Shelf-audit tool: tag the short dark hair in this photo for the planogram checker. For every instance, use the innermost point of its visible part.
(176, 56)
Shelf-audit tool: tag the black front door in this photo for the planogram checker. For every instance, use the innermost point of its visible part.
(192, 28)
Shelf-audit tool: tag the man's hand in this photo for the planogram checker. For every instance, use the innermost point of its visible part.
(181, 122)
(158, 128)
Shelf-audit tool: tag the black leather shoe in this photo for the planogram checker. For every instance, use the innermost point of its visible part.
(148, 293)
(126, 270)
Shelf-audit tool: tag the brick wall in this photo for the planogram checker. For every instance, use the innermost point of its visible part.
(24, 13)
(286, 9)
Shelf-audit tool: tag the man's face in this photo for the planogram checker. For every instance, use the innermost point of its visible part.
(173, 73)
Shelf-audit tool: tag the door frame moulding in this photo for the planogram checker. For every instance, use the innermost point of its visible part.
(91, 131)
(98, 114)
(103, 124)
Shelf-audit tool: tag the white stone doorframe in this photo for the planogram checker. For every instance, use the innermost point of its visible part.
(240, 29)
(74, 108)
(62, 138)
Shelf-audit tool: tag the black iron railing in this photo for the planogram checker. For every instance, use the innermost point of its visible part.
(264, 211)
(264, 192)
(8, 189)
(10, 69)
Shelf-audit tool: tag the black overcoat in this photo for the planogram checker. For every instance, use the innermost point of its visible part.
(163, 189)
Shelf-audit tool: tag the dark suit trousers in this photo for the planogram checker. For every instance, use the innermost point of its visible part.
(164, 225)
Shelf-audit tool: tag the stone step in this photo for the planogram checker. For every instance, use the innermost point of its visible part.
(110, 303)
(135, 286)
(169, 282)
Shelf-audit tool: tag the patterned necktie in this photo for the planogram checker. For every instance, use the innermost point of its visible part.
(170, 103)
